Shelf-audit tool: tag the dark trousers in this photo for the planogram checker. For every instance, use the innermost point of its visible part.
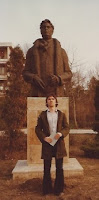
(59, 181)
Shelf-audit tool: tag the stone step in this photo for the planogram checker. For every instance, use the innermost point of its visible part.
(24, 171)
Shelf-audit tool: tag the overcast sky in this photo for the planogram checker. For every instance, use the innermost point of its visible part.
(76, 25)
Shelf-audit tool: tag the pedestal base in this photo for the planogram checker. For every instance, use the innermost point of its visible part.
(24, 171)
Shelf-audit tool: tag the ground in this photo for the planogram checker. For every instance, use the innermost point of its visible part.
(79, 188)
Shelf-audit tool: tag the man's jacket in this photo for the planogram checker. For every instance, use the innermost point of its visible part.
(42, 131)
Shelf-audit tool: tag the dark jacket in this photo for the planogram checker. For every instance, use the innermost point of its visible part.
(42, 130)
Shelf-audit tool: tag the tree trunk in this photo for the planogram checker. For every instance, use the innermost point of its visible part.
(74, 110)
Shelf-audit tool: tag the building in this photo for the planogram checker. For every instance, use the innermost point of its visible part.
(5, 48)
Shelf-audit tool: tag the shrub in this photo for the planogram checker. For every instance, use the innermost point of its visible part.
(91, 149)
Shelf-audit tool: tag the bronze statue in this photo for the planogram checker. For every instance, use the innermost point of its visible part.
(47, 68)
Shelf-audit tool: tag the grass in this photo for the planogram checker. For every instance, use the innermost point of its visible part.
(77, 188)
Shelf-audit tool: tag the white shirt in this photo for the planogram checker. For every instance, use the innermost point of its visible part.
(52, 118)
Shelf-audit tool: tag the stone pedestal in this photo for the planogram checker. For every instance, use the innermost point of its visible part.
(35, 105)
(33, 167)
(24, 171)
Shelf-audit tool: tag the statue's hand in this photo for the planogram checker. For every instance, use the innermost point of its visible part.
(38, 82)
(53, 80)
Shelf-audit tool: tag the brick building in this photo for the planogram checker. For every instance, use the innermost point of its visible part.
(5, 48)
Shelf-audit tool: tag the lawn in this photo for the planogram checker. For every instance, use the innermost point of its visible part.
(78, 188)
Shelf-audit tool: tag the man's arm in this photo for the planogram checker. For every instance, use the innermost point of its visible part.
(65, 126)
(39, 129)
(64, 130)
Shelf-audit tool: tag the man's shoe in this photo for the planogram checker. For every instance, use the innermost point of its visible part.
(61, 196)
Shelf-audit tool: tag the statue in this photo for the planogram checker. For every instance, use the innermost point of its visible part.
(47, 68)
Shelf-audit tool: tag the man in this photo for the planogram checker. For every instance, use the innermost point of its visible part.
(47, 68)
(51, 129)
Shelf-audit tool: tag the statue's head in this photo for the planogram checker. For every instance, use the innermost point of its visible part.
(46, 28)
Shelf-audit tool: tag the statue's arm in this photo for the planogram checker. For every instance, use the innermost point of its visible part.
(27, 72)
(67, 74)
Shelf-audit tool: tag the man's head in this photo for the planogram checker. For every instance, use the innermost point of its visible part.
(51, 101)
(47, 29)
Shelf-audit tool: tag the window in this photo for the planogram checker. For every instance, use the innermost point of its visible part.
(2, 70)
(3, 53)
(1, 86)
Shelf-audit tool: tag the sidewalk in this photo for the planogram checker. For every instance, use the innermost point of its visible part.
(82, 131)
(72, 131)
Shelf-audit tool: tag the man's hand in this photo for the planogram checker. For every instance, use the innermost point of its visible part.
(38, 82)
(48, 139)
(57, 136)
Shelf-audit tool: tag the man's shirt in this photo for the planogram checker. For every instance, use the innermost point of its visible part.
(52, 118)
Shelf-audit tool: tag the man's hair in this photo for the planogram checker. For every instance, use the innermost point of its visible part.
(51, 95)
(46, 21)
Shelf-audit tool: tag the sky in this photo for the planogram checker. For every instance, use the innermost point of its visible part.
(76, 26)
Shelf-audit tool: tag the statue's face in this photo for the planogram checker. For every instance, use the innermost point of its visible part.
(46, 30)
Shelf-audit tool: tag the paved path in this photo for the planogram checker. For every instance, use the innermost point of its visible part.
(82, 131)
(72, 131)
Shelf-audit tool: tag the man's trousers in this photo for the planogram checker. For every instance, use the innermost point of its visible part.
(59, 180)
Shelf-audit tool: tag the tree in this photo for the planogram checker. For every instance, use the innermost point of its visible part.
(91, 148)
(77, 94)
(96, 103)
(76, 91)
(14, 107)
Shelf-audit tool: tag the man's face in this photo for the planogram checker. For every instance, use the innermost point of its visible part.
(51, 101)
(46, 30)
